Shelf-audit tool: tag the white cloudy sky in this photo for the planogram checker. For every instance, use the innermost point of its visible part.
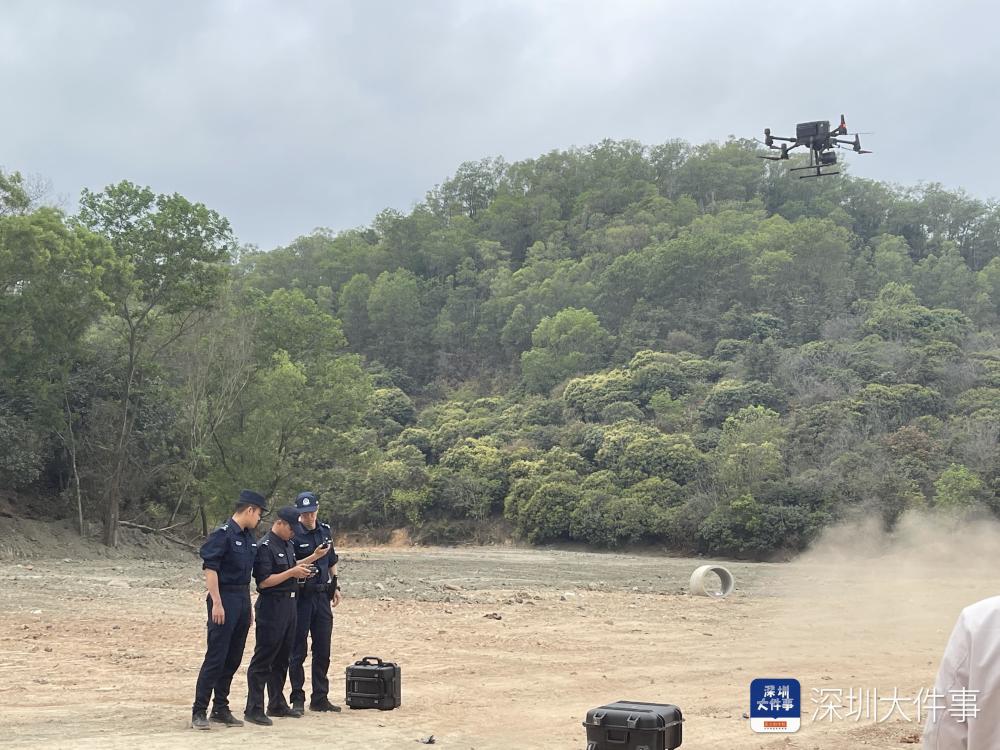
(286, 115)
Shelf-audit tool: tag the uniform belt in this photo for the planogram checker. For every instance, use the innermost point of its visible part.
(268, 592)
(237, 587)
(317, 588)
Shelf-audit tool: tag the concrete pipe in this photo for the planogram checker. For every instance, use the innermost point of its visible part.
(701, 582)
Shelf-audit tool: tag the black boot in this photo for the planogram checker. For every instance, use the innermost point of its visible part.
(258, 717)
(225, 716)
(284, 711)
(299, 706)
(199, 720)
(323, 704)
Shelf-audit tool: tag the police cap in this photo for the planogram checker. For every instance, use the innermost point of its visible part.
(306, 502)
(249, 497)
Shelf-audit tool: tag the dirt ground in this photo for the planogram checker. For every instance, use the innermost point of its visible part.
(103, 652)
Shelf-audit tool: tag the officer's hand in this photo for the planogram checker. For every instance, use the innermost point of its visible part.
(336, 597)
(301, 571)
(218, 614)
(320, 552)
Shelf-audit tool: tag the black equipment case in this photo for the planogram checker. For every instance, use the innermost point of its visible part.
(631, 725)
(372, 683)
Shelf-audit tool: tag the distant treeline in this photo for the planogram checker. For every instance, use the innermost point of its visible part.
(624, 344)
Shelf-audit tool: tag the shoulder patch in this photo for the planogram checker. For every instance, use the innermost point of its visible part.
(225, 527)
(265, 542)
(325, 525)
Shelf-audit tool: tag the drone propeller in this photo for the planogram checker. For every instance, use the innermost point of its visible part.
(857, 145)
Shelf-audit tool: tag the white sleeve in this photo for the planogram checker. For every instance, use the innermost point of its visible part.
(943, 731)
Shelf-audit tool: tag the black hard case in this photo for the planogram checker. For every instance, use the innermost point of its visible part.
(631, 725)
(372, 683)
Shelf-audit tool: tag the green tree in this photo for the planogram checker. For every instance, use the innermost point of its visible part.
(957, 489)
(289, 423)
(353, 311)
(570, 342)
(745, 527)
(172, 259)
(750, 448)
(15, 198)
(399, 333)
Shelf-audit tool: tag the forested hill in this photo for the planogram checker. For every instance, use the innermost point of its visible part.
(669, 345)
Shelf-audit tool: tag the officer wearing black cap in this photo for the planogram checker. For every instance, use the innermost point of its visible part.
(228, 557)
(276, 572)
(315, 615)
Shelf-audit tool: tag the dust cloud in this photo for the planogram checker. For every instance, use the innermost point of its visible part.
(866, 608)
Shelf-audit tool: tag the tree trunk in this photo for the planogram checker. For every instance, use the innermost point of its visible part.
(72, 460)
(76, 485)
(111, 520)
(112, 515)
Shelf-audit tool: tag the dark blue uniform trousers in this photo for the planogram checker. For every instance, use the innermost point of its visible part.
(275, 632)
(316, 618)
(225, 650)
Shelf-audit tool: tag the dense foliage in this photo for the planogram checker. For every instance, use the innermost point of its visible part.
(623, 344)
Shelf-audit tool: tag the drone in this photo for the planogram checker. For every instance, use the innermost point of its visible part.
(821, 142)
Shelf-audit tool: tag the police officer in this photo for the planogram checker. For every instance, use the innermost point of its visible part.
(276, 572)
(315, 614)
(228, 557)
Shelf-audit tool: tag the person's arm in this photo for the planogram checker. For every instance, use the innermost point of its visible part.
(212, 582)
(263, 570)
(335, 596)
(212, 552)
(943, 730)
(316, 555)
(298, 571)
